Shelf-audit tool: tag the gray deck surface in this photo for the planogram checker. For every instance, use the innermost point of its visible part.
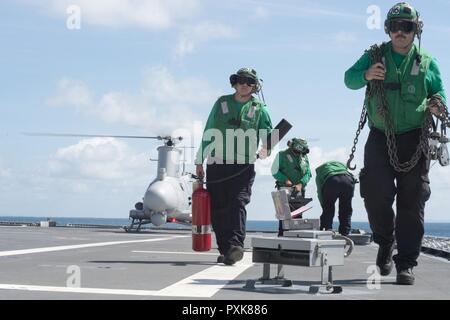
(160, 264)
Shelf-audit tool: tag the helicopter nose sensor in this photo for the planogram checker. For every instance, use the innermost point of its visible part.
(159, 218)
(160, 197)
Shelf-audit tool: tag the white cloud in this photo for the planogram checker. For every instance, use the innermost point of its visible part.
(164, 103)
(344, 38)
(261, 13)
(94, 177)
(307, 9)
(318, 156)
(73, 92)
(150, 14)
(98, 159)
(97, 165)
(439, 176)
(146, 14)
(193, 36)
(4, 172)
(437, 207)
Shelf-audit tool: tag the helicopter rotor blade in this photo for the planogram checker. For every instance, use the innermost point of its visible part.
(47, 134)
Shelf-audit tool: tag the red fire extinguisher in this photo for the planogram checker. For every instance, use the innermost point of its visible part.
(201, 219)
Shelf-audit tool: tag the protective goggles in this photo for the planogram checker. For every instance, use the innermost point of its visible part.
(402, 25)
(242, 80)
(300, 149)
(304, 151)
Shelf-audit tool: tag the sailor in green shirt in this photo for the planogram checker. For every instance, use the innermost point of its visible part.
(230, 140)
(291, 166)
(412, 86)
(291, 169)
(334, 182)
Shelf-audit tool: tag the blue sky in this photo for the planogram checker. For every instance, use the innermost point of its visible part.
(151, 67)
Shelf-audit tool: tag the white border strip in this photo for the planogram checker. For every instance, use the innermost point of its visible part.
(80, 246)
(78, 290)
(203, 284)
(208, 282)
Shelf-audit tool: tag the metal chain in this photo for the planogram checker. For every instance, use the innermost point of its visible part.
(362, 122)
(443, 116)
(377, 90)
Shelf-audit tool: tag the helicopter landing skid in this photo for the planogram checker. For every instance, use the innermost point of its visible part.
(136, 226)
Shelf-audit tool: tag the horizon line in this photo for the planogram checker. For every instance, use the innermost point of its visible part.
(87, 217)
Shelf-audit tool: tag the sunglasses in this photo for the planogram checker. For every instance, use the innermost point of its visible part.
(242, 80)
(404, 26)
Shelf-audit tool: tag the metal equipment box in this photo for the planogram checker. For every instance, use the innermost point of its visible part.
(309, 234)
(298, 251)
(300, 224)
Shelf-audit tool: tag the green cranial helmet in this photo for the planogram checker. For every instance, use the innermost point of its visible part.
(403, 11)
(299, 146)
(247, 73)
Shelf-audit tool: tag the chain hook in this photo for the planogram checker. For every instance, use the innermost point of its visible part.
(349, 163)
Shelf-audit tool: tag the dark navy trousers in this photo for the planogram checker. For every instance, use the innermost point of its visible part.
(381, 185)
(230, 187)
(336, 187)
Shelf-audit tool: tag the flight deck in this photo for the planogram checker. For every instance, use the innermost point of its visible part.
(100, 264)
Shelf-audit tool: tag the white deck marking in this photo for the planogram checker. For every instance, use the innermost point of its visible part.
(80, 246)
(78, 290)
(203, 284)
(177, 252)
(208, 282)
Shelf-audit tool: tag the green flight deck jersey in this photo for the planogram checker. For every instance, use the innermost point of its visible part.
(408, 85)
(233, 130)
(288, 166)
(327, 170)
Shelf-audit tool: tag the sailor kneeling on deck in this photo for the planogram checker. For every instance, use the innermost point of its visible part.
(291, 170)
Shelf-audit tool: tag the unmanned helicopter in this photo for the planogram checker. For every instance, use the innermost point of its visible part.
(168, 198)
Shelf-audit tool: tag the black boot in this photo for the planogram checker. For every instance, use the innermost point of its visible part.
(234, 255)
(220, 258)
(405, 276)
(384, 258)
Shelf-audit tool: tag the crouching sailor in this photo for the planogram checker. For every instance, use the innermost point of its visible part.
(291, 170)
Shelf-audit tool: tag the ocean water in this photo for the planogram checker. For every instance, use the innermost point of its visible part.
(431, 229)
